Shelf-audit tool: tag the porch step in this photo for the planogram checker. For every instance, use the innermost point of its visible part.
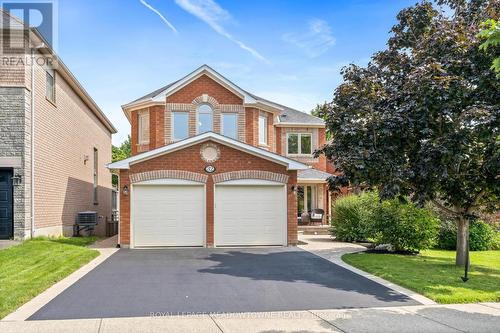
(314, 229)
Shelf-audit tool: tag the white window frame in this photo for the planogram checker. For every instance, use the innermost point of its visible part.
(52, 74)
(198, 120)
(222, 122)
(173, 125)
(299, 143)
(140, 132)
(266, 134)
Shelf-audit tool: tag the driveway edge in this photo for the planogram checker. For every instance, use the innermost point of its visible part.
(29, 308)
(338, 249)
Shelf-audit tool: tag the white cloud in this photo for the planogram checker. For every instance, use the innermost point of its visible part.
(160, 15)
(316, 41)
(212, 14)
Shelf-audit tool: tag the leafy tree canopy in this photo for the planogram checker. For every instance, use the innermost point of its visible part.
(422, 119)
(123, 151)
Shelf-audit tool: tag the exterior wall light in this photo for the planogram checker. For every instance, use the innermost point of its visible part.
(17, 180)
(125, 190)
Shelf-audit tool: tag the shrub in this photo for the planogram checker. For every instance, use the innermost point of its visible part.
(352, 216)
(482, 236)
(404, 226)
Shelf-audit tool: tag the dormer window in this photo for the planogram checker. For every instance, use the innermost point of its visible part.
(205, 118)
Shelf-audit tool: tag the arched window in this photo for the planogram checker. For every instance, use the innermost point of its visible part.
(205, 118)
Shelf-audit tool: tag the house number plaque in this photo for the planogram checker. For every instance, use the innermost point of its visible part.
(209, 169)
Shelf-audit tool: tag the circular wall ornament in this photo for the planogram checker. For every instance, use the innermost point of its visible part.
(210, 152)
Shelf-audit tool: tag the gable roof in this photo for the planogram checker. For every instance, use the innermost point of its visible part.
(289, 163)
(286, 115)
(313, 174)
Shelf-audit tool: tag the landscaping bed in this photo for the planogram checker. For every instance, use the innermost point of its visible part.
(433, 274)
(31, 267)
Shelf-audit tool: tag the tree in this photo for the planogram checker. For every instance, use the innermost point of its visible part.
(119, 153)
(123, 151)
(422, 119)
(320, 112)
(491, 32)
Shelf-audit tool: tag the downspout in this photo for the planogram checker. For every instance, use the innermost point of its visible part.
(42, 45)
(32, 143)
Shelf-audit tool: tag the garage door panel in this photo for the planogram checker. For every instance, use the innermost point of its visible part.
(168, 215)
(250, 215)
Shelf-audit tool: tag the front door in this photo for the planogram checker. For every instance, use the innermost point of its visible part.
(6, 216)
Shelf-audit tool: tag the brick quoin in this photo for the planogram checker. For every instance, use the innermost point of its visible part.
(189, 159)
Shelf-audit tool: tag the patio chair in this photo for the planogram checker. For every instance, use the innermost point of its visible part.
(317, 216)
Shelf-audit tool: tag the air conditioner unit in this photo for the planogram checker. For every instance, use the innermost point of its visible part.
(88, 218)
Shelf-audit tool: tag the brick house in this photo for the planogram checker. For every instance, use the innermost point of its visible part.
(214, 165)
(54, 143)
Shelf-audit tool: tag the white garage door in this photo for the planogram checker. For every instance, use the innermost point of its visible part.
(250, 215)
(168, 215)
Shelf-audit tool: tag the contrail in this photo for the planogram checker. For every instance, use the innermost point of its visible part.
(160, 15)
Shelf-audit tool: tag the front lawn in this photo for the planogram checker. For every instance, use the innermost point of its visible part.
(433, 274)
(31, 267)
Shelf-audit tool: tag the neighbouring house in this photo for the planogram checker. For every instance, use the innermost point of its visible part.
(214, 165)
(55, 142)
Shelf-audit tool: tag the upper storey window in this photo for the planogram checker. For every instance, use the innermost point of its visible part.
(205, 118)
(143, 126)
(262, 130)
(180, 125)
(299, 144)
(230, 125)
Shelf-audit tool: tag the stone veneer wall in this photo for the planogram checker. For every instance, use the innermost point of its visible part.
(15, 146)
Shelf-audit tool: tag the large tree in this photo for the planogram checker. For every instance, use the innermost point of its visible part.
(422, 119)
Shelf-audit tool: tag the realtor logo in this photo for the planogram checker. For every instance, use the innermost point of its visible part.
(21, 16)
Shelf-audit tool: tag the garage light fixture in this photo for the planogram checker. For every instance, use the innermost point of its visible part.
(125, 190)
(17, 180)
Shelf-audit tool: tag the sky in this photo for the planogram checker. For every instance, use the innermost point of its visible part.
(288, 51)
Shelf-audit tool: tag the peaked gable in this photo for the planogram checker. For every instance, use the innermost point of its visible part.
(204, 85)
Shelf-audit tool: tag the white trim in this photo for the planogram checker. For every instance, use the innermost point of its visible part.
(168, 181)
(197, 123)
(140, 130)
(285, 227)
(266, 131)
(260, 182)
(289, 163)
(204, 70)
(311, 180)
(282, 124)
(172, 124)
(299, 144)
(131, 227)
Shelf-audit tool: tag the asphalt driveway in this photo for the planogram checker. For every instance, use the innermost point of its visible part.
(187, 281)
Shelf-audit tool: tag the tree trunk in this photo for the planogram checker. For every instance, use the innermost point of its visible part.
(462, 241)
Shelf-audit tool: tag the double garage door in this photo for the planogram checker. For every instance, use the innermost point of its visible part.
(175, 215)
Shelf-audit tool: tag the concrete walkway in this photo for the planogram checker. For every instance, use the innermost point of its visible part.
(475, 318)
(6, 243)
(325, 247)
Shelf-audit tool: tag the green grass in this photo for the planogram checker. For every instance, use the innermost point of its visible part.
(31, 267)
(433, 273)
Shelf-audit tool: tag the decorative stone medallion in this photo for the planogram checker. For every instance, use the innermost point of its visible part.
(210, 152)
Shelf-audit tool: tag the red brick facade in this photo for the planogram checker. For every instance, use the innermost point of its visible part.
(189, 159)
(204, 85)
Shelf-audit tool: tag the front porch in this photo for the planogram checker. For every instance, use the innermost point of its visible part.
(313, 198)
